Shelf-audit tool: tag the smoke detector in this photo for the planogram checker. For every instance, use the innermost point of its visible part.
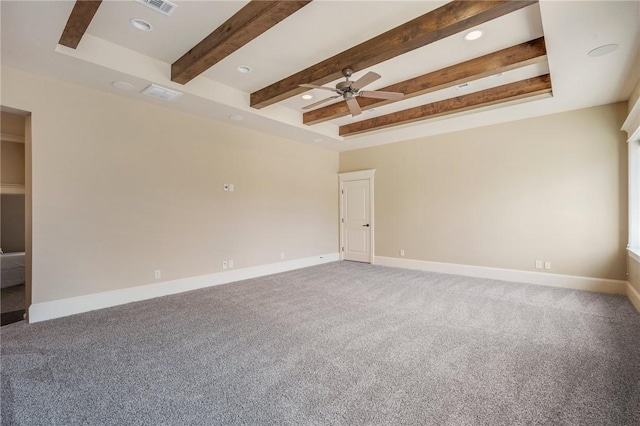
(163, 6)
(159, 92)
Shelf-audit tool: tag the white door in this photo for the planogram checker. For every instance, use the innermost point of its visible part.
(357, 220)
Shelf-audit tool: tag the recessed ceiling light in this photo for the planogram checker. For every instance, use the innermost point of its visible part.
(317, 140)
(306, 97)
(236, 117)
(141, 24)
(244, 69)
(122, 85)
(602, 50)
(473, 35)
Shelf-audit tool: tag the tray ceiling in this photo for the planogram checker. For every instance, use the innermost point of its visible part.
(292, 43)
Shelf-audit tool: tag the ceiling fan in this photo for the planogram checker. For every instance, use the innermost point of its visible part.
(348, 90)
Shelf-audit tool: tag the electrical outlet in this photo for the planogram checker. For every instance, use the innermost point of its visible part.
(547, 265)
(231, 187)
(157, 274)
(538, 264)
(231, 263)
(401, 252)
(225, 265)
(225, 186)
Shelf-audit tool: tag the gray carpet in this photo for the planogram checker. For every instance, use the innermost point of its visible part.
(336, 344)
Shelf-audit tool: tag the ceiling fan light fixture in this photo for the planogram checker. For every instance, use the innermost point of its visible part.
(306, 97)
(473, 35)
(141, 24)
(602, 50)
(244, 69)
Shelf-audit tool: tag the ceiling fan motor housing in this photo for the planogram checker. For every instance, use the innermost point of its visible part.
(345, 87)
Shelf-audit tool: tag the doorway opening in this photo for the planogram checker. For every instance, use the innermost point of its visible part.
(15, 218)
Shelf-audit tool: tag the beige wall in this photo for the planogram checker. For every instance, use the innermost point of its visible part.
(12, 171)
(11, 123)
(634, 273)
(122, 187)
(12, 153)
(634, 265)
(12, 223)
(634, 96)
(12, 162)
(551, 188)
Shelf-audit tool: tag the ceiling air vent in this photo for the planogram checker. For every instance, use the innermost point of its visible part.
(156, 91)
(163, 6)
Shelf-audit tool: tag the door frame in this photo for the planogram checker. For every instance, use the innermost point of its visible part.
(351, 176)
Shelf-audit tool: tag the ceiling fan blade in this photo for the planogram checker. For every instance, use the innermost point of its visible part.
(321, 102)
(354, 107)
(313, 86)
(369, 77)
(394, 96)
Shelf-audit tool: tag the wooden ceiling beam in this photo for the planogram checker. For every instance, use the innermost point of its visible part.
(78, 22)
(508, 92)
(253, 19)
(440, 23)
(521, 55)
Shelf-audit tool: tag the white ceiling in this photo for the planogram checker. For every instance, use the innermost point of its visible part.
(113, 50)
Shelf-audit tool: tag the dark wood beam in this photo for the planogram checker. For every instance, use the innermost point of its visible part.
(508, 92)
(248, 23)
(440, 23)
(78, 22)
(523, 54)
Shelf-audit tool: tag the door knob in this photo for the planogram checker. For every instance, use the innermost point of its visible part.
(367, 225)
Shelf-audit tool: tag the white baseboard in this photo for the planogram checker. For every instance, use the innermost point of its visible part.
(540, 278)
(76, 305)
(634, 296)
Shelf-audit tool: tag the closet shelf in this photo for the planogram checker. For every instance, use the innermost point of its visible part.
(11, 188)
(6, 137)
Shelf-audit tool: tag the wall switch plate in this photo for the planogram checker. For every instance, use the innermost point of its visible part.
(401, 252)
(547, 265)
(538, 264)
(231, 263)
(225, 265)
(225, 186)
(157, 274)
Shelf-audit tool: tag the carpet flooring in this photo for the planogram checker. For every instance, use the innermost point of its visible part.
(336, 344)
